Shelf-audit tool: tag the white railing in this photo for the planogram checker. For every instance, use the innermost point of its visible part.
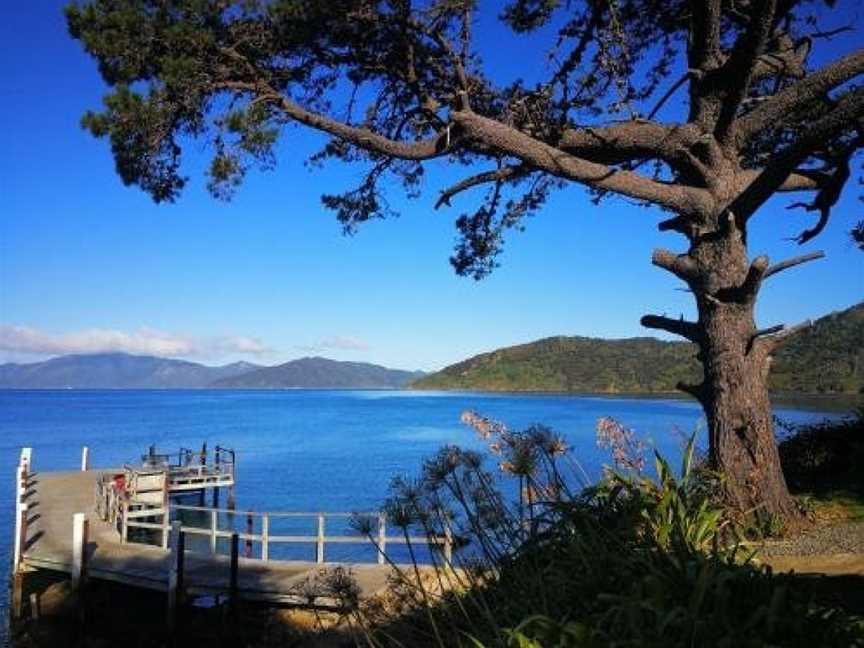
(265, 539)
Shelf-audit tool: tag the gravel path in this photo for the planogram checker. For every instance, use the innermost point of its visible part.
(847, 537)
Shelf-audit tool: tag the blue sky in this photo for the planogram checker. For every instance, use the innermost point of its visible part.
(87, 263)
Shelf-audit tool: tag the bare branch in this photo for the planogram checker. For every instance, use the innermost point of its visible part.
(668, 94)
(829, 192)
(770, 342)
(769, 331)
(542, 156)
(682, 327)
(504, 173)
(681, 265)
(791, 263)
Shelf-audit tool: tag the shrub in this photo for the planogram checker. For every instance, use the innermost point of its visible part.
(825, 456)
(546, 561)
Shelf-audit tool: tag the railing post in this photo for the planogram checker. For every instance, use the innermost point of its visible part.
(166, 518)
(319, 553)
(265, 537)
(20, 483)
(20, 535)
(25, 460)
(382, 537)
(124, 522)
(214, 518)
(79, 548)
(448, 544)
(85, 459)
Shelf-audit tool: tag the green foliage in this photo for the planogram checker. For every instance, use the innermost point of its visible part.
(823, 457)
(633, 561)
(828, 358)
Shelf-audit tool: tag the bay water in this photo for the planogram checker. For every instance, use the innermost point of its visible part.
(310, 450)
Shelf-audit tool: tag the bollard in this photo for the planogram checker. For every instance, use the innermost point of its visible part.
(85, 459)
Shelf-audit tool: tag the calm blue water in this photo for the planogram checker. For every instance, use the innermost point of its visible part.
(306, 450)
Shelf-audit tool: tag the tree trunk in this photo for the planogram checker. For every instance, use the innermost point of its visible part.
(734, 393)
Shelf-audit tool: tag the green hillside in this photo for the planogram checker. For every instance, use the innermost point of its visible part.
(827, 358)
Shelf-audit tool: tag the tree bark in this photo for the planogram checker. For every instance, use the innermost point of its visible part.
(734, 392)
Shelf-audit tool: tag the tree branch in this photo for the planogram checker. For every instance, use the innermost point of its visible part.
(681, 265)
(363, 138)
(629, 141)
(504, 173)
(841, 119)
(786, 102)
(704, 34)
(741, 63)
(696, 391)
(682, 327)
(770, 342)
(791, 263)
(542, 156)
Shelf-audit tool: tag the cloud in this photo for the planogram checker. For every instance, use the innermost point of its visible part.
(242, 344)
(337, 343)
(145, 341)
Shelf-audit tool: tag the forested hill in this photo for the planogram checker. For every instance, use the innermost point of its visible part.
(827, 358)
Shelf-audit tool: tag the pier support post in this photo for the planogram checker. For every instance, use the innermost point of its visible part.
(20, 535)
(382, 537)
(85, 459)
(319, 552)
(175, 574)
(265, 537)
(79, 548)
(235, 564)
(17, 567)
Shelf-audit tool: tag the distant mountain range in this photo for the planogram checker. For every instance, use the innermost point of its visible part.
(826, 358)
(320, 373)
(125, 371)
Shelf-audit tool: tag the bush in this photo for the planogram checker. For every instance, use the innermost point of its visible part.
(823, 457)
(631, 561)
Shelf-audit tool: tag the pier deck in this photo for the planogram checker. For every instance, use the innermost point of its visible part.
(53, 498)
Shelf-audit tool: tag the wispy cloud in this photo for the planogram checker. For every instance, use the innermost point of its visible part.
(336, 343)
(144, 341)
(242, 344)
